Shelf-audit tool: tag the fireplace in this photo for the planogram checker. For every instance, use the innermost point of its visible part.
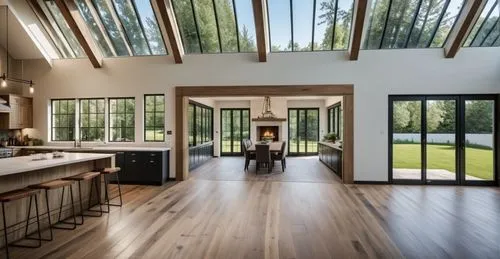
(268, 133)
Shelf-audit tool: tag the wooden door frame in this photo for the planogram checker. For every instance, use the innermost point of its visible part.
(182, 94)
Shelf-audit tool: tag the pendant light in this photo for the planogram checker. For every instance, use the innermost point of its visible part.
(5, 76)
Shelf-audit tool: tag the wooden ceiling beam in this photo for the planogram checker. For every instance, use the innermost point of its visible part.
(171, 33)
(70, 12)
(261, 28)
(357, 28)
(468, 17)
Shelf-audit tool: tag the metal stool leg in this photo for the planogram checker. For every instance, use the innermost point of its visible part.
(62, 222)
(5, 230)
(48, 216)
(98, 193)
(39, 239)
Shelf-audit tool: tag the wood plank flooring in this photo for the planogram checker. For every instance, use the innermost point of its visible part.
(223, 212)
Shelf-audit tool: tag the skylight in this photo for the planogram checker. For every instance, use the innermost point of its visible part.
(411, 23)
(215, 26)
(486, 31)
(309, 25)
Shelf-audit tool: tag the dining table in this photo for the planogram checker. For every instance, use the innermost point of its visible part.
(273, 146)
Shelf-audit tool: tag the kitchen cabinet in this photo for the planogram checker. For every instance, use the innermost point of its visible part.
(331, 155)
(200, 154)
(20, 115)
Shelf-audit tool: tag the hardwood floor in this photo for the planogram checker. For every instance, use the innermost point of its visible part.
(305, 212)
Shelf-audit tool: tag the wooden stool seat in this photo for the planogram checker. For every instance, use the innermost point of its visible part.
(17, 194)
(83, 176)
(110, 170)
(55, 184)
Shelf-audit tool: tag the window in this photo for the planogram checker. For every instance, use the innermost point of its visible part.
(309, 25)
(335, 119)
(121, 119)
(63, 120)
(214, 26)
(92, 117)
(108, 20)
(303, 131)
(200, 124)
(95, 30)
(411, 23)
(486, 31)
(154, 118)
(235, 127)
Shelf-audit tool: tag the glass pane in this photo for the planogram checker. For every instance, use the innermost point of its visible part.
(226, 131)
(441, 136)
(150, 25)
(111, 27)
(406, 140)
(187, 26)
(246, 25)
(63, 26)
(280, 25)
(227, 25)
(236, 131)
(160, 103)
(447, 23)
(323, 24)
(479, 140)
(302, 24)
(96, 32)
(312, 131)
(150, 103)
(376, 24)
(207, 25)
(133, 29)
(292, 129)
(343, 24)
(399, 24)
(485, 14)
(198, 125)
(492, 36)
(191, 124)
(301, 132)
(245, 127)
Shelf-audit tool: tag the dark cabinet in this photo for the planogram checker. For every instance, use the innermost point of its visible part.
(200, 154)
(145, 167)
(331, 156)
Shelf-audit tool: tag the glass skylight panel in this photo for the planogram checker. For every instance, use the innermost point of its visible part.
(246, 25)
(205, 15)
(227, 25)
(411, 23)
(94, 28)
(343, 23)
(324, 22)
(187, 25)
(280, 25)
(150, 26)
(112, 28)
(486, 28)
(60, 22)
(128, 17)
(303, 11)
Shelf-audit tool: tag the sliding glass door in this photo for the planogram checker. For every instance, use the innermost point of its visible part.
(235, 126)
(303, 131)
(442, 139)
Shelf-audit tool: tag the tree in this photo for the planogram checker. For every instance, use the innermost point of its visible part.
(479, 116)
(400, 117)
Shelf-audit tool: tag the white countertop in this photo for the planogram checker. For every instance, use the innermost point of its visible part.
(15, 165)
(98, 148)
(333, 145)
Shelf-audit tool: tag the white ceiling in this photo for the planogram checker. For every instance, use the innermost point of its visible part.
(21, 46)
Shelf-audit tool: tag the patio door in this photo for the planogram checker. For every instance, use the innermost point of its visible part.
(235, 126)
(303, 131)
(442, 140)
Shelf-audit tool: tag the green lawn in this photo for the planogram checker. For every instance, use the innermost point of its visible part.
(479, 162)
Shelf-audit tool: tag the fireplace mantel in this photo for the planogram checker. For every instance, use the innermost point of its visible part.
(269, 119)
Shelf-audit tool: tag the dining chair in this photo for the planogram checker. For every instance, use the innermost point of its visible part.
(263, 156)
(248, 155)
(281, 156)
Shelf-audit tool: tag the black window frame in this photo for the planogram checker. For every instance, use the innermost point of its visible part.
(206, 133)
(154, 112)
(232, 110)
(335, 110)
(52, 119)
(89, 113)
(109, 128)
(306, 109)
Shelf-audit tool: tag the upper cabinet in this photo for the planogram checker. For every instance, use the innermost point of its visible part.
(20, 115)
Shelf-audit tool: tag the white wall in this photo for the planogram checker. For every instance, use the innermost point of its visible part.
(377, 74)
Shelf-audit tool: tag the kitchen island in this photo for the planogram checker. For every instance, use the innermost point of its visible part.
(20, 172)
(331, 155)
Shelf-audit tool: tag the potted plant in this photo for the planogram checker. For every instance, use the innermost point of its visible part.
(330, 137)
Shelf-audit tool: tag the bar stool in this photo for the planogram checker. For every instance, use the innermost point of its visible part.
(17, 195)
(94, 178)
(53, 185)
(106, 172)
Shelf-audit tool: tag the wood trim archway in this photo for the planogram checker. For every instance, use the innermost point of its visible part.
(182, 93)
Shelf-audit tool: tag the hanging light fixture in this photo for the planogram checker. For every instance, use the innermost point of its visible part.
(5, 76)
